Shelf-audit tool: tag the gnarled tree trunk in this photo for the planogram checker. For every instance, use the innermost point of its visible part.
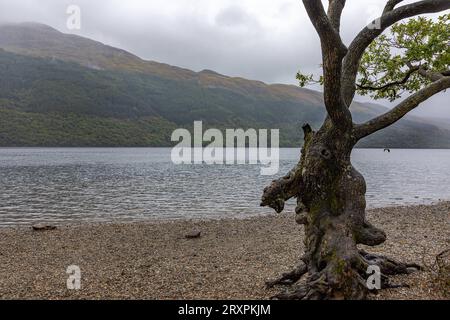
(331, 204)
(330, 192)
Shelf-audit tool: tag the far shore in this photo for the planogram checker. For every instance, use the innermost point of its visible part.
(230, 260)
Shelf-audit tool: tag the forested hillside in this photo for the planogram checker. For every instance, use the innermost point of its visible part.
(97, 95)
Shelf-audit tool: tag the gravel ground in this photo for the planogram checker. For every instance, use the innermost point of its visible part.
(231, 260)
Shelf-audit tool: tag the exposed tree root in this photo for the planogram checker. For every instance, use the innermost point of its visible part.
(389, 266)
(325, 285)
(289, 277)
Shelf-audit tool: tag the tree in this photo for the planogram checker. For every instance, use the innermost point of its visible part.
(330, 192)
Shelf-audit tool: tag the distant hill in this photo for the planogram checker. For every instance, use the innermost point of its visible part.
(65, 90)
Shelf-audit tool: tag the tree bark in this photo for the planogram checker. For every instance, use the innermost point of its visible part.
(330, 192)
(331, 204)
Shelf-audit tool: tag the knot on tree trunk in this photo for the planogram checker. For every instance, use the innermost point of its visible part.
(369, 235)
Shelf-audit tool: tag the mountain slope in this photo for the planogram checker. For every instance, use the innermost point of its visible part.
(65, 90)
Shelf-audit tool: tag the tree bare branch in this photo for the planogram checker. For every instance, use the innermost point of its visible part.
(390, 5)
(328, 35)
(333, 52)
(401, 109)
(334, 13)
(433, 76)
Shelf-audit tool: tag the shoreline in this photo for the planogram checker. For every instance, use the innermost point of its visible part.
(162, 220)
(171, 147)
(231, 260)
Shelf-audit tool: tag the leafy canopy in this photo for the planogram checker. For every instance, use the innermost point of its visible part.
(390, 65)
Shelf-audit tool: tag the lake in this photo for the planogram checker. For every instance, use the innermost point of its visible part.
(64, 185)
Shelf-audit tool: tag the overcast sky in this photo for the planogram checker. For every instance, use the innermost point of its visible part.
(266, 40)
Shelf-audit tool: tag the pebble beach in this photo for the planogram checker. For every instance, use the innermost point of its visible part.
(231, 259)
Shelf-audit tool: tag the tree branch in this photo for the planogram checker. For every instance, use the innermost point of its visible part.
(395, 83)
(281, 190)
(333, 52)
(334, 13)
(328, 35)
(390, 5)
(433, 76)
(371, 32)
(401, 109)
(290, 185)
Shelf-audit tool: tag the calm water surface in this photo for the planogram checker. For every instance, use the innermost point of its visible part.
(126, 184)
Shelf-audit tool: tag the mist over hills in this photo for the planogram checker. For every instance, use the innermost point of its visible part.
(64, 90)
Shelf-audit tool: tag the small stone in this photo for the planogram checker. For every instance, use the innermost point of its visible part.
(43, 227)
(193, 235)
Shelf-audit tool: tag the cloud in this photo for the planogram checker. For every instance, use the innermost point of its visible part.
(235, 17)
(257, 39)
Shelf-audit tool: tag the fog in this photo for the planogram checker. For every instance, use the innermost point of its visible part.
(257, 39)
